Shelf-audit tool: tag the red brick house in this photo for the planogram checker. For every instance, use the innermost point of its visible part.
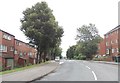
(101, 48)
(111, 44)
(20, 53)
(15, 53)
(7, 49)
(24, 53)
(32, 54)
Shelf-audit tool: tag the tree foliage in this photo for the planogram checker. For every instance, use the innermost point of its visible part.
(87, 44)
(87, 33)
(41, 28)
(71, 52)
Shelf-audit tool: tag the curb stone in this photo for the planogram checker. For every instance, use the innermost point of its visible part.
(112, 63)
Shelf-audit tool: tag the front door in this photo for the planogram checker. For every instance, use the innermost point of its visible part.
(10, 62)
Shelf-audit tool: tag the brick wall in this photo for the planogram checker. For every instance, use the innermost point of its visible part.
(101, 48)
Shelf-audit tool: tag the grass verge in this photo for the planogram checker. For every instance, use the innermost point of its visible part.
(22, 68)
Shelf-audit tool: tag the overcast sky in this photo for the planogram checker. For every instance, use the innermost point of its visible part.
(70, 14)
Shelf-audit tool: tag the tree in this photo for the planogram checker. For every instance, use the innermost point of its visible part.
(88, 39)
(71, 52)
(87, 33)
(41, 28)
(58, 52)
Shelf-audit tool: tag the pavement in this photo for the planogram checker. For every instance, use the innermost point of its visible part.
(31, 74)
(106, 62)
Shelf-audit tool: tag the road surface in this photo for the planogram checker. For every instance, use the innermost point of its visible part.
(76, 70)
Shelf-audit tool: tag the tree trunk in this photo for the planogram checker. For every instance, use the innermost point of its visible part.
(37, 58)
(40, 57)
(44, 57)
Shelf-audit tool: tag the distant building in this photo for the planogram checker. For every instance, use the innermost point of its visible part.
(15, 53)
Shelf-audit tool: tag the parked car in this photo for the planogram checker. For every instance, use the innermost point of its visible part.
(57, 59)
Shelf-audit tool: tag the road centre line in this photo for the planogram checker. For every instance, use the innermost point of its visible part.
(94, 75)
(88, 67)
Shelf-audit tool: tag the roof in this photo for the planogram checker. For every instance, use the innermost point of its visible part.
(20, 41)
(114, 29)
(7, 33)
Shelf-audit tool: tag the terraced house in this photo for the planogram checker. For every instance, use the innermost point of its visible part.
(111, 44)
(15, 53)
(7, 49)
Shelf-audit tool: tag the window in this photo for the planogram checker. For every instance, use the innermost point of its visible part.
(117, 50)
(112, 42)
(17, 43)
(21, 54)
(15, 52)
(107, 51)
(11, 48)
(0, 53)
(3, 48)
(9, 37)
(0, 47)
(107, 44)
(6, 36)
(116, 41)
(113, 50)
(30, 54)
(25, 53)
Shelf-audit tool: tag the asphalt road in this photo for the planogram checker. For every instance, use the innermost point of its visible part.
(75, 70)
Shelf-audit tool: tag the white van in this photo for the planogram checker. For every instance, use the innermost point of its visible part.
(57, 59)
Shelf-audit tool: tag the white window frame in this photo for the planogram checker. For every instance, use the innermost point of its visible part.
(117, 50)
(107, 43)
(4, 48)
(112, 42)
(107, 51)
(6, 36)
(20, 54)
(15, 52)
(11, 48)
(113, 50)
(9, 38)
(0, 48)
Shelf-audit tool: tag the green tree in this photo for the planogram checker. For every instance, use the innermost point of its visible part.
(88, 39)
(87, 33)
(58, 52)
(41, 28)
(71, 52)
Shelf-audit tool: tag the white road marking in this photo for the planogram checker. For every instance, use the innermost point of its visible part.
(94, 75)
(88, 67)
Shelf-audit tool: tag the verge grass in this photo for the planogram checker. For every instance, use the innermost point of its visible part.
(22, 68)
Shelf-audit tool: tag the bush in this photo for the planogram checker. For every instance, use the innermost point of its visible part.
(80, 57)
(102, 58)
